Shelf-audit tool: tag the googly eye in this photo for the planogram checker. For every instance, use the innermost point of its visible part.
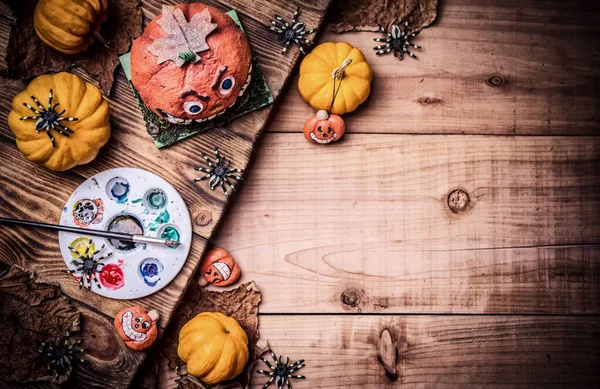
(227, 85)
(138, 319)
(193, 107)
(145, 324)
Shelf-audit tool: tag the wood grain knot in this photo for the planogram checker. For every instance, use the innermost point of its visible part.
(387, 355)
(458, 201)
(425, 100)
(351, 297)
(203, 217)
(495, 81)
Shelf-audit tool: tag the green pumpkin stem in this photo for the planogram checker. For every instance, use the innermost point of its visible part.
(187, 56)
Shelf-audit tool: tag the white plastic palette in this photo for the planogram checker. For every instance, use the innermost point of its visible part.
(133, 201)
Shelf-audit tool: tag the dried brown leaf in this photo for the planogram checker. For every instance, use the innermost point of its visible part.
(240, 303)
(27, 56)
(365, 15)
(31, 312)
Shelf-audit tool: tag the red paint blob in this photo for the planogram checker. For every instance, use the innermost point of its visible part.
(111, 277)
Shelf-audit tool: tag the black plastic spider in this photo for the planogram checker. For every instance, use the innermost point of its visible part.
(291, 32)
(397, 41)
(281, 372)
(61, 353)
(48, 119)
(87, 265)
(219, 173)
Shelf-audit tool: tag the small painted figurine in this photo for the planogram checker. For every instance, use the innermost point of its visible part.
(219, 268)
(136, 327)
(324, 128)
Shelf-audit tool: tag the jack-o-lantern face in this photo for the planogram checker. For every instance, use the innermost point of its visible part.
(323, 128)
(219, 268)
(136, 327)
(197, 90)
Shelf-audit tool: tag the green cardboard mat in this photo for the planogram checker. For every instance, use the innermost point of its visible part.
(164, 133)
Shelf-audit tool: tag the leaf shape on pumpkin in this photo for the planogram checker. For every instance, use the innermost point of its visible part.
(183, 38)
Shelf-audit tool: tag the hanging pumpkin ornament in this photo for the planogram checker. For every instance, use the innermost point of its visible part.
(219, 268)
(326, 72)
(137, 327)
(60, 121)
(214, 346)
(324, 128)
(70, 26)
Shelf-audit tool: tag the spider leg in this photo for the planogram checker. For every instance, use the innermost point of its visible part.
(279, 25)
(408, 52)
(275, 29)
(282, 21)
(268, 363)
(81, 281)
(87, 249)
(68, 119)
(265, 386)
(230, 184)
(97, 251)
(217, 156)
(89, 281)
(388, 40)
(224, 190)
(104, 257)
(40, 106)
(51, 138)
(50, 96)
(307, 41)
(295, 17)
(413, 45)
(206, 159)
(96, 281)
(310, 31)
(287, 43)
(29, 118)
(202, 178)
(274, 357)
(380, 47)
(269, 373)
(32, 109)
(202, 169)
(297, 376)
(382, 52)
(300, 46)
(298, 27)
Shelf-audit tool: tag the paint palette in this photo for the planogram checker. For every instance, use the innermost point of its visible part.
(132, 201)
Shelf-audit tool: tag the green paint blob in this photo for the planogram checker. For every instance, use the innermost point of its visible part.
(162, 218)
(156, 199)
(136, 201)
(171, 233)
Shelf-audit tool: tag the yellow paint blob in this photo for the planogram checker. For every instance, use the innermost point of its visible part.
(81, 244)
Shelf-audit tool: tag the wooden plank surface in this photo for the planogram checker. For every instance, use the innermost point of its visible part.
(487, 67)
(438, 351)
(367, 221)
(34, 193)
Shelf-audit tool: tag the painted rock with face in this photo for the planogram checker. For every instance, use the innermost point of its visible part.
(191, 63)
(324, 128)
(137, 327)
(219, 268)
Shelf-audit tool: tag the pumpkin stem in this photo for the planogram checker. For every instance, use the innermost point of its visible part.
(338, 73)
(101, 39)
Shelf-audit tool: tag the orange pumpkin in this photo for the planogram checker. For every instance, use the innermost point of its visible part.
(219, 268)
(136, 327)
(186, 86)
(324, 128)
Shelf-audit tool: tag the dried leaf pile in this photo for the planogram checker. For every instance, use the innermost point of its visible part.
(30, 312)
(240, 303)
(365, 15)
(27, 56)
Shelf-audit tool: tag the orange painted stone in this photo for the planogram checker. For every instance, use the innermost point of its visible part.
(219, 268)
(195, 80)
(137, 327)
(324, 128)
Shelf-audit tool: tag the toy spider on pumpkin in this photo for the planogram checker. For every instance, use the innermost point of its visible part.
(49, 119)
(219, 173)
(61, 353)
(292, 32)
(87, 265)
(281, 372)
(397, 41)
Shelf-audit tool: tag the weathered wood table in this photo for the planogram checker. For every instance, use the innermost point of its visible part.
(451, 240)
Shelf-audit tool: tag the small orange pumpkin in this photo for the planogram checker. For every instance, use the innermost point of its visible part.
(324, 128)
(136, 327)
(219, 268)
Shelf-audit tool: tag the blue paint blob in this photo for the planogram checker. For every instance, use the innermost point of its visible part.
(118, 189)
(151, 270)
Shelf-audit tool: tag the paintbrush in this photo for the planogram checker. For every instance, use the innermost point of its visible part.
(105, 234)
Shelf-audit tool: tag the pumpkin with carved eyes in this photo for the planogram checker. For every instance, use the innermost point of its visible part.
(324, 128)
(136, 327)
(191, 63)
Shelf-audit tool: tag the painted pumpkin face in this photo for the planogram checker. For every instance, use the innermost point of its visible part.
(136, 327)
(323, 128)
(195, 91)
(219, 268)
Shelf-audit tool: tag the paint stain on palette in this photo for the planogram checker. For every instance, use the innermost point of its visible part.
(131, 201)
